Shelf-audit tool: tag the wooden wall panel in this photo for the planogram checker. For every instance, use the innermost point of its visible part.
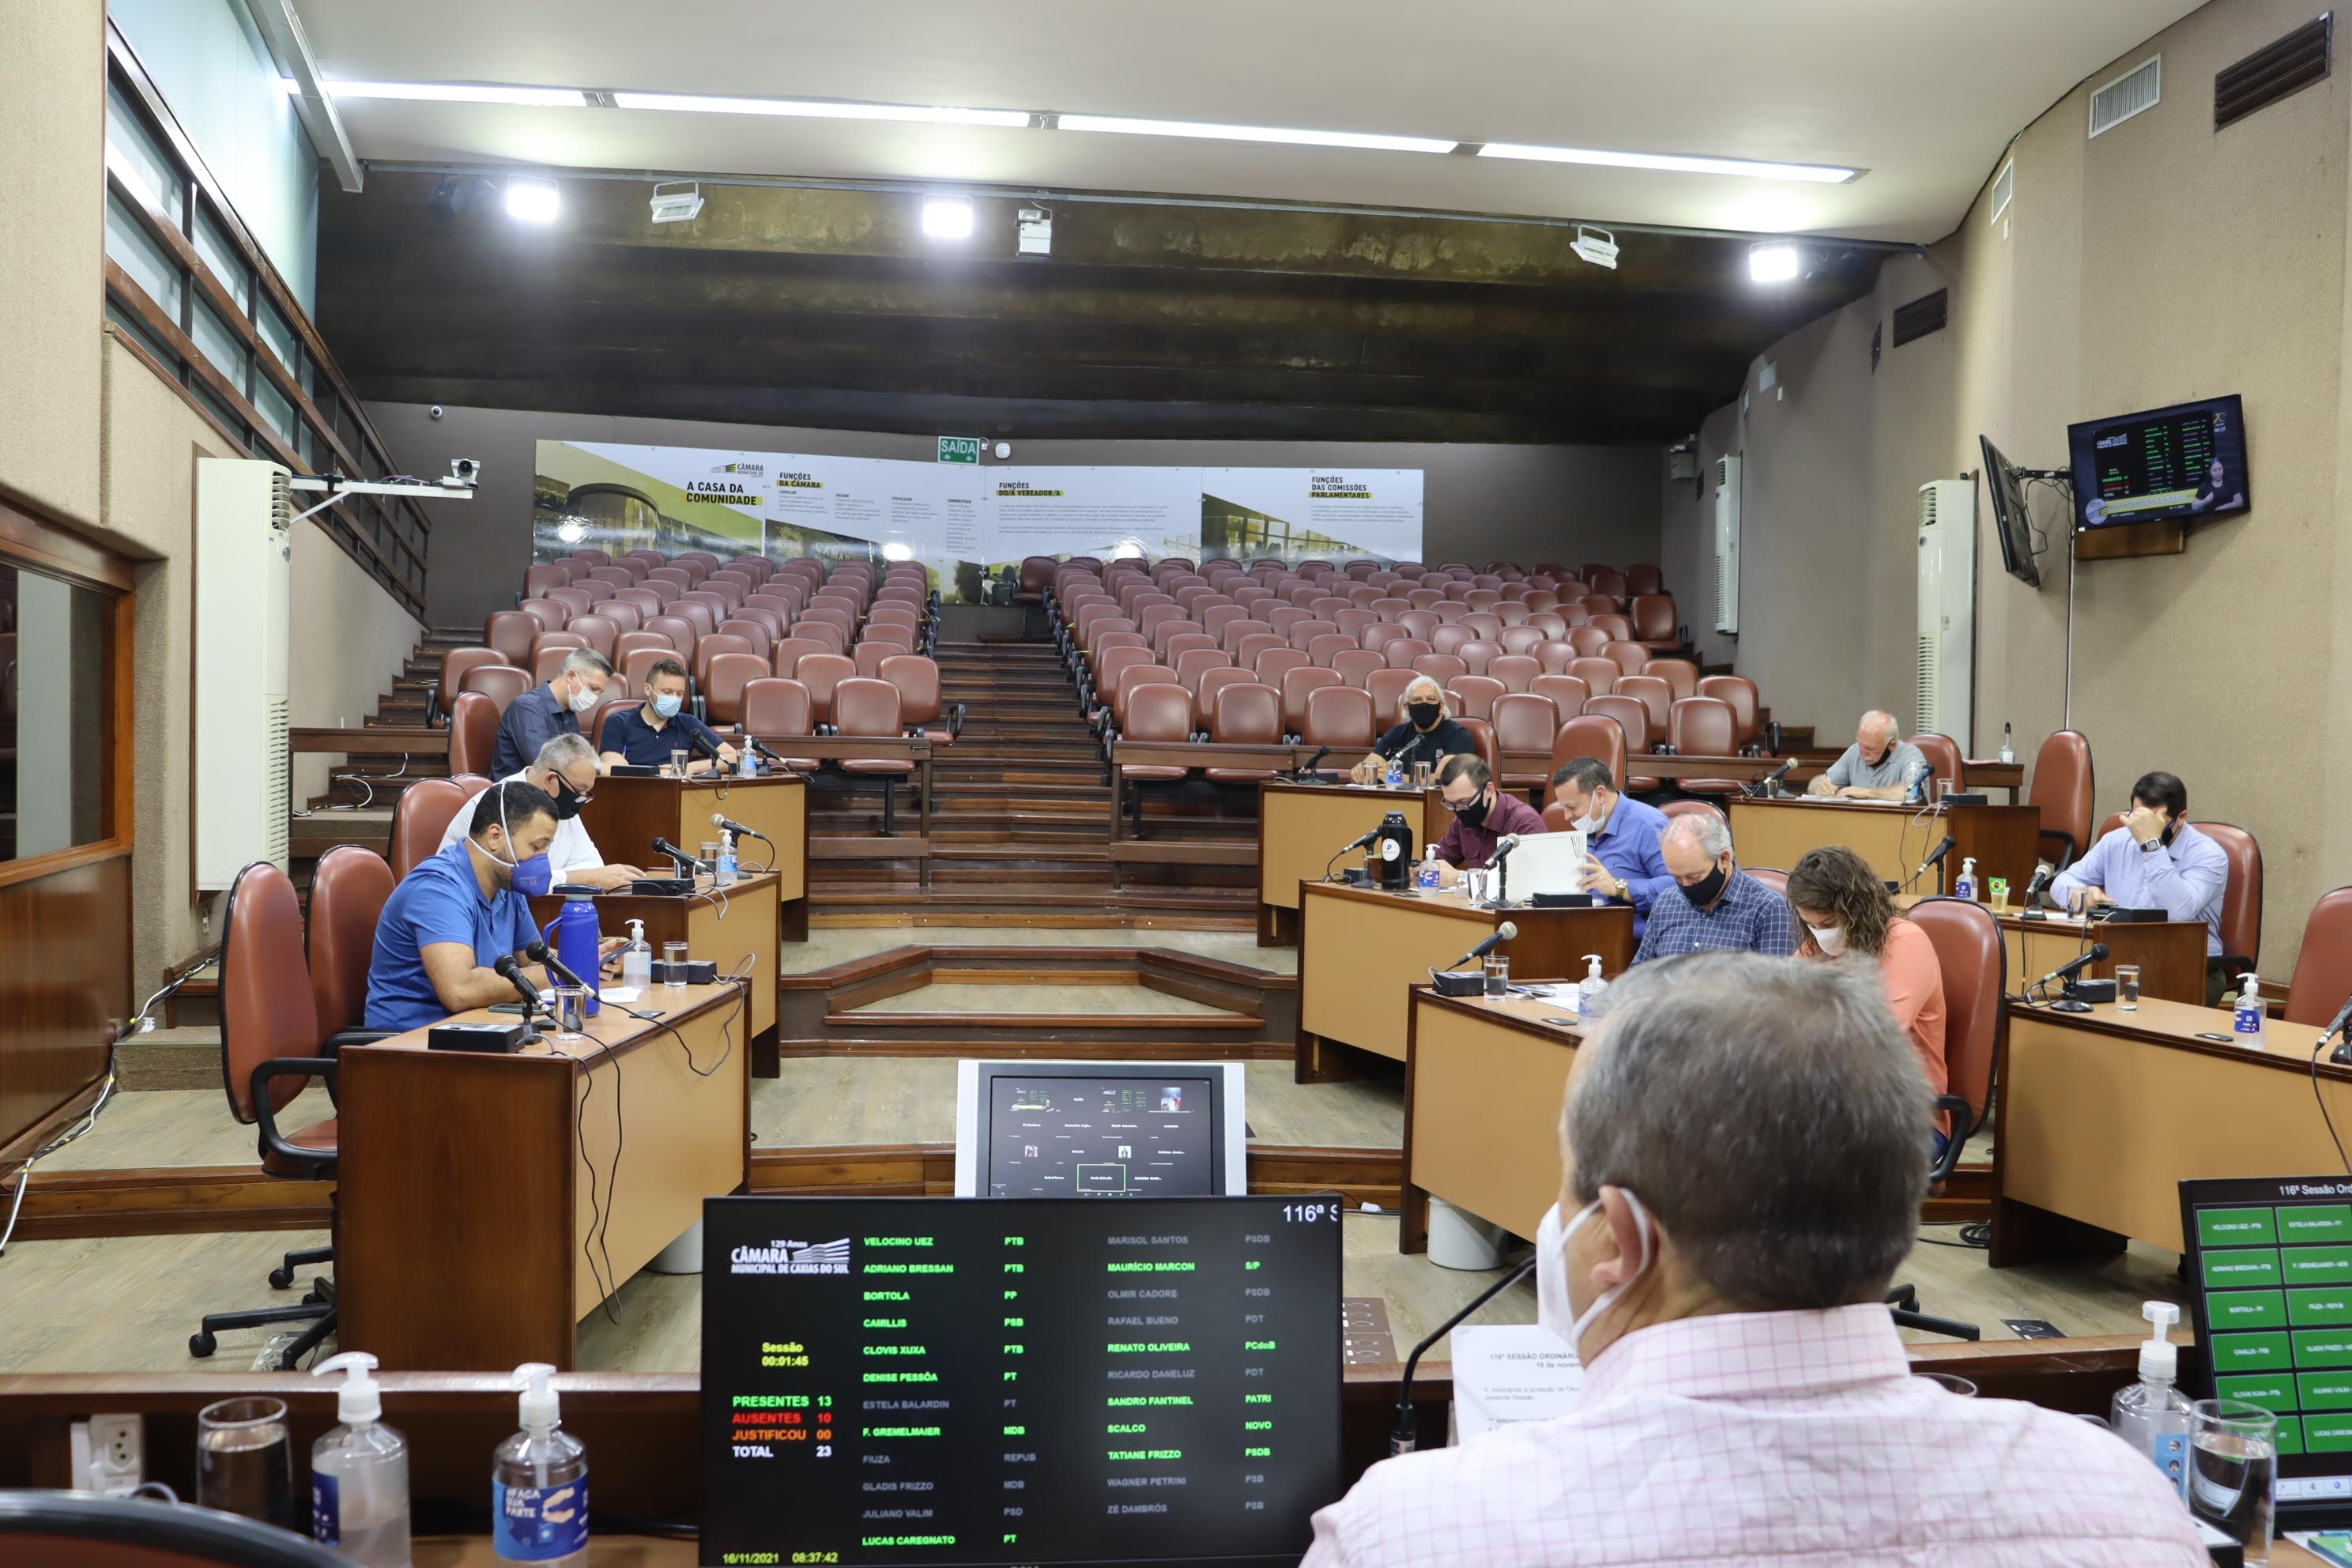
(65, 988)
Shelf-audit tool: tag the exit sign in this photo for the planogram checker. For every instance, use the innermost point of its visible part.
(959, 448)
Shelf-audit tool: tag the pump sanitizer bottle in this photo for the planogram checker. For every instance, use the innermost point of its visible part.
(2007, 750)
(2151, 1415)
(1430, 877)
(1591, 991)
(2246, 1021)
(539, 1482)
(359, 1472)
(637, 960)
(727, 861)
(1964, 885)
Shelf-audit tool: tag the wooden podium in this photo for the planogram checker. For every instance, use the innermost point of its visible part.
(1301, 828)
(628, 813)
(726, 925)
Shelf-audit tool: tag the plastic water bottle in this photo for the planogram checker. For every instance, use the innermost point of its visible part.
(359, 1472)
(637, 960)
(2246, 1021)
(726, 860)
(539, 1482)
(1591, 991)
(1964, 885)
(747, 766)
(1396, 773)
(1431, 878)
(2151, 1415)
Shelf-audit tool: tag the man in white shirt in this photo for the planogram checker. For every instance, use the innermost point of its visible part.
(566, 769)
(1744, 1171)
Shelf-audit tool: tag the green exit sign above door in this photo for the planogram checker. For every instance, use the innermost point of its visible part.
(959, 448)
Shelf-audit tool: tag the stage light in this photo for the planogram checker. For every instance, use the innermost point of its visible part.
(1774, 261)
(947, 217)
(532, 201)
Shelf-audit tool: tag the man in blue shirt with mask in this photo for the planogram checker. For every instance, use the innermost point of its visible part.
(458, 912)
(646, 736)
(1623, 862)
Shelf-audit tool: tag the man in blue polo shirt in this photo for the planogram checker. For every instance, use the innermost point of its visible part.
(1623, 862)
(458, 912)
(543, 713)
(647, 735)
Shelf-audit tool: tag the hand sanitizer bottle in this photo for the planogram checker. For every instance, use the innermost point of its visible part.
(2246, 1021)
(359, 1472)
(1964, 885)
(1430, 876)
(746, 765)
(2151, 1415)
(2007, 750)
(637, 960)
(1396, 773)
(726, 864)
(1591, 991)
(539, 1482)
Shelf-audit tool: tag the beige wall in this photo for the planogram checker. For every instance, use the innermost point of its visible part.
(2162, 262)
(341, 611)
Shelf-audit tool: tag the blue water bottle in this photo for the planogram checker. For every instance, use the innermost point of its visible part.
(575, 936)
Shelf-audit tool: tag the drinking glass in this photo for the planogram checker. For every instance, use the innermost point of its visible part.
(570, 1011)
(674, 954)
(2232, 1465)
(2127, 987)
(1943, 788)
(1999, 887)
(1950, 1384)
(244, 1462)
(1422, 774)
(710, 860)
(1498, 975)
(678, 764)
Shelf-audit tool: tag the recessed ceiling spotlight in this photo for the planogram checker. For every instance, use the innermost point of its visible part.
(947, 217)
(532, 201)
(1773, 261)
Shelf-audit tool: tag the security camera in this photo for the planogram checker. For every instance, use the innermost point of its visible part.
(435, 412)
(465, 473)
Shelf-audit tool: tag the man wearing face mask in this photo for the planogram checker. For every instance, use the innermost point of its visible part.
(543, 713)
(2156, 860)
(1746, 1397)
(647, 735)
(1483, 815)
(1848, 916)
(1623, 861)
(459, 911)
(1879, 765)
(1427, 735)
(1713, 903)
(565, 770)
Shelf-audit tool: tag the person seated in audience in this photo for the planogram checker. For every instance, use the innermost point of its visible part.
(648, 736)
(1849, 918)
(565, 771)
(1623, 861)
(1426, 734)
(1483, 814)
(1713, 902)
(2157, 860)
(460, 911)
(546, 712)
(1880, 764)
(1740, 1178)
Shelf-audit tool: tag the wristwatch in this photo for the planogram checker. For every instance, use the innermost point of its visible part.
(1624, 893)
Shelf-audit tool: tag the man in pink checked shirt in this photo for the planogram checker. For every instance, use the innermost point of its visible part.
(1744, 1173)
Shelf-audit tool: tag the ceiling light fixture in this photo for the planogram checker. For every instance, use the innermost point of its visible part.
(1773, 261)
(1253, 133)
(1597, 246)
(1672, 163)
(447, 92)
(679, 201)
(532, 201)
(947, 217)
(817, 108)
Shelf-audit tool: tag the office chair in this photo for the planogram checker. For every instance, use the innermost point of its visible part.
(82, 1527)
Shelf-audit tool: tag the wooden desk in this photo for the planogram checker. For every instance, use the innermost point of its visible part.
(471, 1185)
(1359, 951)
(726, 926)
(2003, 840)
(2101, 1113)
(626, 815)
(1300, 829)
(1483, 1085)
(2170, 953)
(1122, 850)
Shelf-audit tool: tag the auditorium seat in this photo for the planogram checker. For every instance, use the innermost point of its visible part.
(2242, 897)
(1702, 727)
(1642, 581)
(1588, 641)
(2062, 793)
(1443, 668)
(626, 615)
(509, 633)
(1246, 714)
(1515, 670)
(2323, 965)
(1387, 686)
(1619, 628)
(1745, 710)
(777, 710)
(575, 601)
(537, 580)
(1131, 679)
(1340, 717)
(1943, 755)
(1482, 735)
(870, 709)
(1969, 952)
(1655, 695)
(1524, 724)
(1772, 877)
(453, 666)
(1599, 674)
(1680, 674)
(550, 614)
(1473, 696)
(1565, 691)
(502, 683)
(1355, 665)
(1634, 719)
(709, 649)
(348, 889)
(419, 818)
(1477, 654)
(821, 673)
(1653, 616)
(722, 684)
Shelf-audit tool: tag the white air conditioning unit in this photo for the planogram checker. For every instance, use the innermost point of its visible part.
(1726, 545)
(244, 592)
(1947, 608)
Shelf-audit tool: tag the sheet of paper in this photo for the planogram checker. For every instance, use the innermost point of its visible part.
(1510, 1373)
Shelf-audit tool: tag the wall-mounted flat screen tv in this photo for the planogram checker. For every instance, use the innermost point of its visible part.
(2188, 461)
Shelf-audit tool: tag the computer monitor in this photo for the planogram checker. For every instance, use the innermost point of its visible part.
(1100, 1130)
(934, 1380)
(2269, 1271)
(1546, 863)
(2004, 483)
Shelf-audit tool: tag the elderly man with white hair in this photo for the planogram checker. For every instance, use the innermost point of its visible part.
(1713, 903)
(1428, 734)
(1740, 1178)
(1880, 764)
(566, 769)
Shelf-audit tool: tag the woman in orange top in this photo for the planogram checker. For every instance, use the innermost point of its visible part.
(1846, 912)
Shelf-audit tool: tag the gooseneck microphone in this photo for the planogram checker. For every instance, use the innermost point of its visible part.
(509, 969)
(1403, 1438)
(678, 856)
(1932, 861)
(1503, 933)
(540, 953)
(2096, 952)
(729, 825)
(1763, 787)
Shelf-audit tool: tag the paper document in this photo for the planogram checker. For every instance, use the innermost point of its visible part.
(1514, 1372)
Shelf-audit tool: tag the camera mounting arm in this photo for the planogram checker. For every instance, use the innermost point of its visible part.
(465, 474)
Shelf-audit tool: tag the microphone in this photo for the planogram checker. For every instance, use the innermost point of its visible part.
(1309, 766)
(1932, 861)
(511, 969)
(1361, 843)
(2096, 954)
(702, 741)
(1403, 1438)
(2337, 1022)
(1764, 786)
(1503, 847)
(1503, 933)
(730, 825)
(678, 856)
(540, 953)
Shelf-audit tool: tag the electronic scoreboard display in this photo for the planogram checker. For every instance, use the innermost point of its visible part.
(946, 1381)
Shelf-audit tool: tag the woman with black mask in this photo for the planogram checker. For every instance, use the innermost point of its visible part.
(1426, 735)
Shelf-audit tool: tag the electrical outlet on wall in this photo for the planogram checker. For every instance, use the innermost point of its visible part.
(108, 1454)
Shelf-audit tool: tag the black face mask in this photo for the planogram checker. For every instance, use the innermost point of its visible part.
(1707, 889)
(567, 801)
(1425, 715)
(1880, 761)
(1474, 810)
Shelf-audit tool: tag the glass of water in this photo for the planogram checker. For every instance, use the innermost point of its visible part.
(2127, 987)
(2233, 1466)
(1421, 776)
(678, 764)
(245, 1464)
(1943, 788)
(674, 954)
(570, 1011)
(1498, 975)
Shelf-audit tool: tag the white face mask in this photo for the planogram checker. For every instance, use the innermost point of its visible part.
(1593, 820)
(1831, 940)
(584, 697)
(1553, 1305)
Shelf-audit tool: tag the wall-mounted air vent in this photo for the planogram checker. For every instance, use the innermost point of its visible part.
(2134, 92)
(2277, 70)
(2004, 187)
(1926, 314)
